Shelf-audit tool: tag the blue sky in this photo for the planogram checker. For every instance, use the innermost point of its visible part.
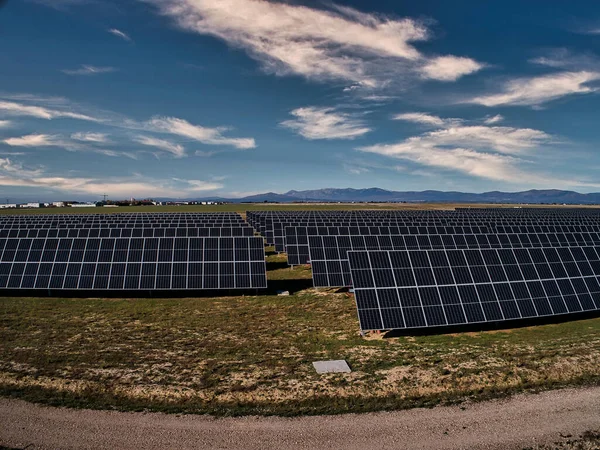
(202, 98)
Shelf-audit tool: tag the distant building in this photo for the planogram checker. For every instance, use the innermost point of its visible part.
(58, 204)
(30, 205)
(8, 206)
(83, 205)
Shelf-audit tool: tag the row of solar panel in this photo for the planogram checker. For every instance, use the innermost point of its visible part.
(328, 255)
(278, 236)
(123, 225)
(173, 275)
(271, 224)
(126, 232)
(132, 263)
(297, 245)
(409, 289)
(129, 215)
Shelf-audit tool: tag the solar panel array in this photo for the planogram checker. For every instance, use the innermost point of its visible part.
(328, 239)
(429, 288)
(142, 251)
(329, 254)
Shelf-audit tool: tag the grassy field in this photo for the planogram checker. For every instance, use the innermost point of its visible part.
(254, 354)
(242, 207)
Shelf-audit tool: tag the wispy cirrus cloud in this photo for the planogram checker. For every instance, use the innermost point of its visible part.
(205, 135)
(470, 162)
(119, 34)
(12, 108)
(353, 169)
(73, 144)
(34, 140)
(59, 108)
(533, 91)
(493, 119)
(325, 123)
(13, 173)
(587, 27)
(5, 123)
(200, 185)
(426, 119)
(98, 138)
(489, 152)
(178, 151)
(332, 43)
(89, 70)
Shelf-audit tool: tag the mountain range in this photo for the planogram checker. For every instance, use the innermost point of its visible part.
(382, 195)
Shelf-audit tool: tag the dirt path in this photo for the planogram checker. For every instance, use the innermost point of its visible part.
(524, 420)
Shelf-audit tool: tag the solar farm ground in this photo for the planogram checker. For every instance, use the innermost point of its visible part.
(253, 355)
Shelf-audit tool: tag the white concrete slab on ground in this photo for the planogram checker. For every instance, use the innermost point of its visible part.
(336, 366)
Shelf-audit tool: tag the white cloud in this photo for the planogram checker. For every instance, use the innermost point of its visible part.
(484, 165)
(89, 70)
(99, 138)
(355, 170)
(425, 119)
(5, 123)
(116, 154)
(120, 34)
(40, 112)
(337, 42)
(175, 149)
(450, 68)
(324, 123)
(199, 185)
(9, 166)
(542, 89)
(493, 119)
(501, 139)
(47, 140)
(34, 140)
(55, 108)
(15, 174)
(183, 128)
(591, 28)
(481, 151)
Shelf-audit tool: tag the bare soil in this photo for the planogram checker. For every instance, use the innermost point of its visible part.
(555, 419)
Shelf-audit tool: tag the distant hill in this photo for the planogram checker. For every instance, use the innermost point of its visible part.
(382, 195)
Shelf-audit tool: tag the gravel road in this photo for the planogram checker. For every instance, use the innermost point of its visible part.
(521, 421)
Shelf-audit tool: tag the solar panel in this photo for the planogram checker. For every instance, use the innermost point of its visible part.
(328, 255)
(133, 263)
(125, 232)
(296, 238)
(431, 288)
